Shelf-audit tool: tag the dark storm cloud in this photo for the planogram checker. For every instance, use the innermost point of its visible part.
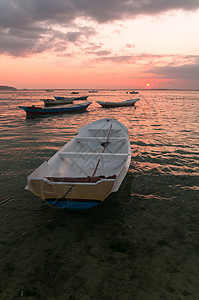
(26, 26)
(109, 10)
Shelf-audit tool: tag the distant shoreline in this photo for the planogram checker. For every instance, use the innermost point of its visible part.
(10, 88)
(7, 88)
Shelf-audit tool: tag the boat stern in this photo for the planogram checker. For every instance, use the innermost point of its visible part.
(71, 195)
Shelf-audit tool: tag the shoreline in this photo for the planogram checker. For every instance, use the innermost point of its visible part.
(130, 247)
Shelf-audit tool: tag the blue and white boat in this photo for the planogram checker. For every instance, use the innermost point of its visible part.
(35, 111)
(60, 98)
(85, 170)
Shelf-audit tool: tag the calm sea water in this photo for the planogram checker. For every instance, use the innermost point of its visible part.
(163, 130)
(47, 252)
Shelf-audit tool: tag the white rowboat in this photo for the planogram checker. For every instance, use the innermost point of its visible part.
(85, 170)
(108, 104)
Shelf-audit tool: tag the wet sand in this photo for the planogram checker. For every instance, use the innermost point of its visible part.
(132, 247)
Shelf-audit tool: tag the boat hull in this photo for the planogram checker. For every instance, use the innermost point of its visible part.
(118, 104)
(32, 111)
(63, 98)
(73, 204)
(49, 102)
(70, 98)
(81, 98)
(71, 195)
(87, 169)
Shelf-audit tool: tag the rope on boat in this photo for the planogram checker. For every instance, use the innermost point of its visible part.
(106, 144)
(57, 200)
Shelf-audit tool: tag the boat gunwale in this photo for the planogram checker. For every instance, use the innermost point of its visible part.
(74, 183)
(47, 109)
(109, 155)
(118, 104)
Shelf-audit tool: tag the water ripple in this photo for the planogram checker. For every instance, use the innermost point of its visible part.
(163, 131)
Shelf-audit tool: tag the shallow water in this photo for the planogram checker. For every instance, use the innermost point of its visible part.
(163, 131)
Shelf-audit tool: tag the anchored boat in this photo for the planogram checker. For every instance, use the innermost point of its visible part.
(109, 104)
(71, 98)
(133, 92)
(85, 170)
(35, 111)
(53, 102)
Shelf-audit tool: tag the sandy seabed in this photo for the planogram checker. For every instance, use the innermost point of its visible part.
(132, 247)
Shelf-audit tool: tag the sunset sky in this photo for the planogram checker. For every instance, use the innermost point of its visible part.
(99, 44)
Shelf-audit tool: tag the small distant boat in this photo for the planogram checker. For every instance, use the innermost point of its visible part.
(133, 92)
(63, 98)
(81, 98)
(35, 111)
(109, 104)
(93, 91)
(85, 170)
(49, 90)
(53, 102)
(70, 98)
(74, 92)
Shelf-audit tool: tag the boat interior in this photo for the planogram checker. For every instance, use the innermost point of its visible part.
(103, 150)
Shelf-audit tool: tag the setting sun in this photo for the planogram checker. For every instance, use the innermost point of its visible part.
(148, 84)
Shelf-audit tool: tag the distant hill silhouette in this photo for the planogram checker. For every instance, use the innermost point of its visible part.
(7, 88)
